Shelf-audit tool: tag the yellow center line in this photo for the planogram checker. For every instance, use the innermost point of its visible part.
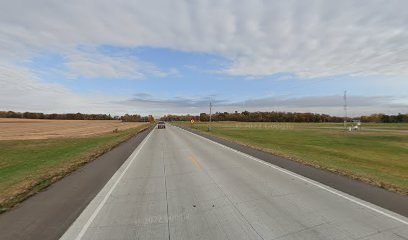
(195, 162)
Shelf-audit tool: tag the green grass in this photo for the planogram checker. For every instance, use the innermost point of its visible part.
(27, 166)
(377, 157)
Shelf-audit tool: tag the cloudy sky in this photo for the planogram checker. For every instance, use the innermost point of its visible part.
(158, 57)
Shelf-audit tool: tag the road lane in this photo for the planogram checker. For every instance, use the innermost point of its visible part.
(180, 186)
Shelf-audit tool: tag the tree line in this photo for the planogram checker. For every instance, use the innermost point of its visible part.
(136, 118)
(283, 117)
(75, 116)
(384, 118)
(244, 116)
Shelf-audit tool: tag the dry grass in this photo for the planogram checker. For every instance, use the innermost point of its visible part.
(28, 166)
(377, 154)
(25, 129)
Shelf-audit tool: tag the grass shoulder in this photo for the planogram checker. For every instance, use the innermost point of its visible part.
(375, 157)
(28, 166)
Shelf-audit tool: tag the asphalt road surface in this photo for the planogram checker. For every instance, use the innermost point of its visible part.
(178, 185)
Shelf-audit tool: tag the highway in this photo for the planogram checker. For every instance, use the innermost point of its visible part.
(178, 185)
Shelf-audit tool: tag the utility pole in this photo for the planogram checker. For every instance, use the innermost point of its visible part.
(209, 126)
(345, 108)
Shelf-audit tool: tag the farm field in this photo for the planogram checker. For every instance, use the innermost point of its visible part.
(44, 151)
(378, 154)
(20, 129)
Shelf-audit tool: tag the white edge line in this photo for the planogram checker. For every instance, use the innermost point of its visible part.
(314, 183)
(102, 203)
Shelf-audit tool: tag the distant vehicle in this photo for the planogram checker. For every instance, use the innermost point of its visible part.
(161, 125)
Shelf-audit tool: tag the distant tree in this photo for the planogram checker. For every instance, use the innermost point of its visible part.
(204, 117)
(134, 118)
(150, 118)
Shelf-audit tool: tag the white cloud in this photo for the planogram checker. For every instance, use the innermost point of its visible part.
(93, 64)
(309, 38)
(22, 90)
(332, 104)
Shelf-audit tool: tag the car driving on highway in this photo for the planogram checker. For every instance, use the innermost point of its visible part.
(161, 125)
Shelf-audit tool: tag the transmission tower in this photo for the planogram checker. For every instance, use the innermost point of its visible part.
(209, 125)
(345, 109)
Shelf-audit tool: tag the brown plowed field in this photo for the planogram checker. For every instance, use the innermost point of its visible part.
(21, 129)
